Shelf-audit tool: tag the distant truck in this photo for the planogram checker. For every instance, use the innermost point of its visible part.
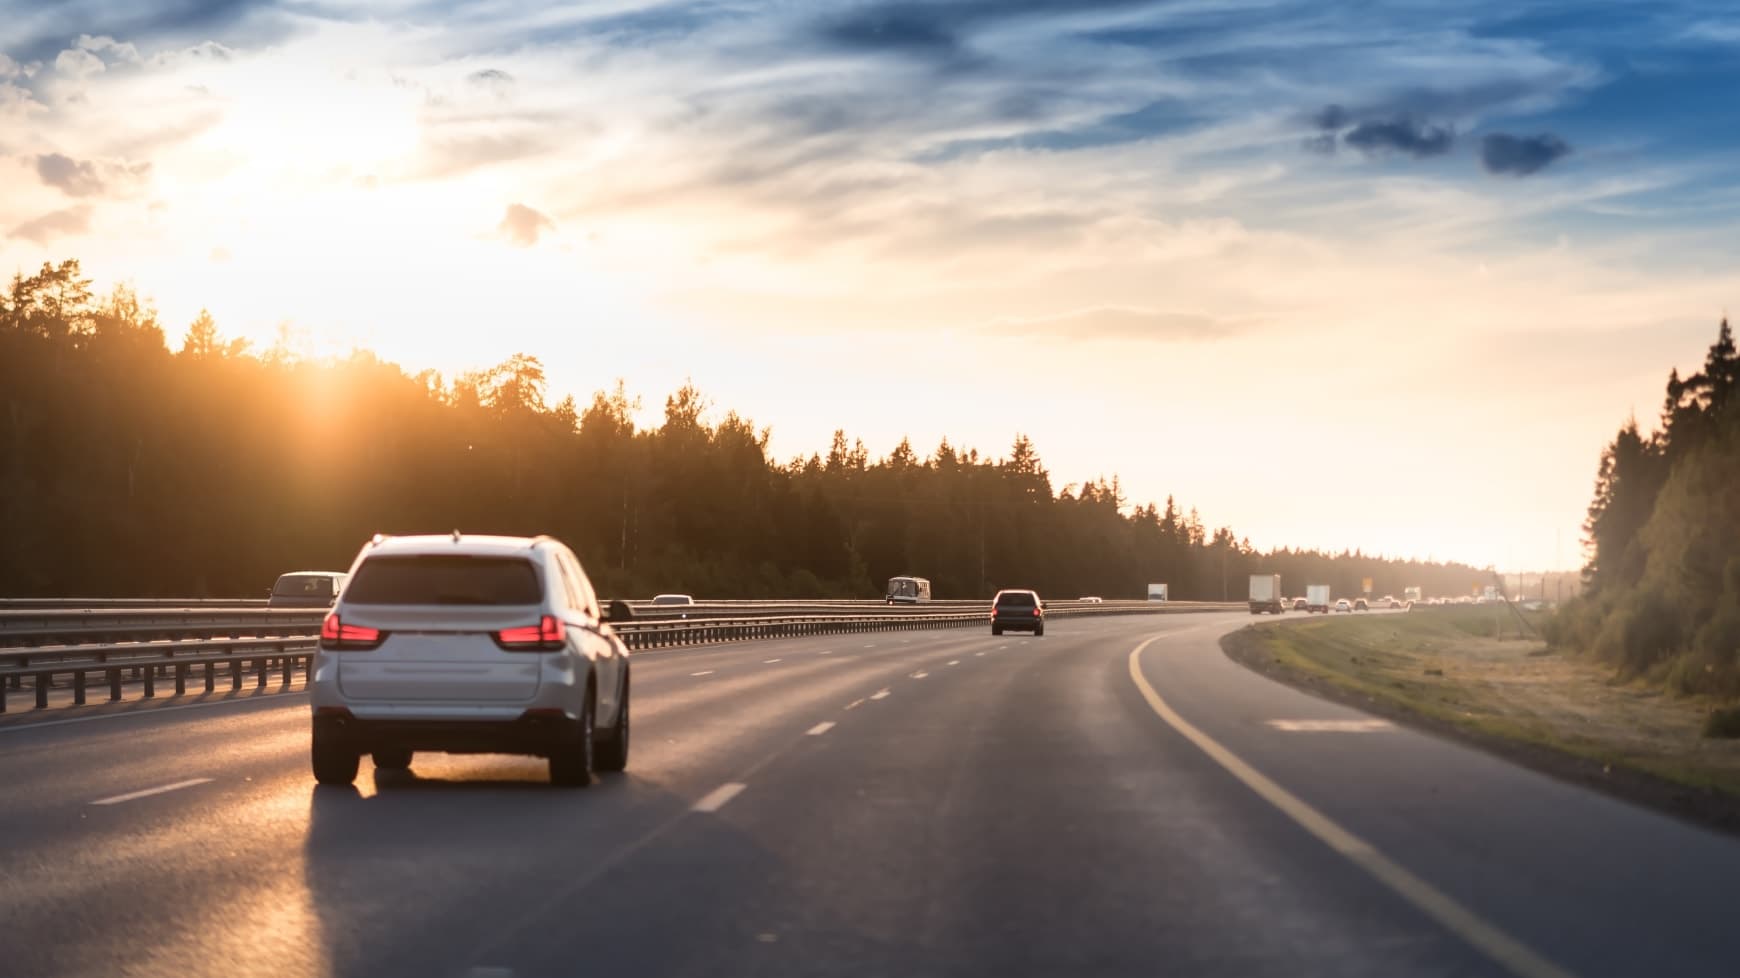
(1317, 598)
(1266, 594)
(908, 590)
(1156, 592)
(1412, 594)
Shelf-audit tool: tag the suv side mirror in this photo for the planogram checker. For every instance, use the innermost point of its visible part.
(618, 610)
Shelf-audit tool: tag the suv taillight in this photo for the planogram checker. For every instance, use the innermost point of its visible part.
(336, 635)
(548, 635)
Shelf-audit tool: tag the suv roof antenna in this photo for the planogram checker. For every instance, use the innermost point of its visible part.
(456, 535)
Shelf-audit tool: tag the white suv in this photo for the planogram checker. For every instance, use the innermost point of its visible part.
(469, 644)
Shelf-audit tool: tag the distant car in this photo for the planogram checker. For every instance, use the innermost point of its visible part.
(469, 645)
(1300, 605)
(1018, 610)
(1091, 600)
(306, 589)
(1359, 604)
(1390, 602)
(664, 600)
(1342, 605)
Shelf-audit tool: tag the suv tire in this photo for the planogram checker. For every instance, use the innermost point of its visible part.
(334, 763)
(612, 754)
(392, 759)
(571, 762)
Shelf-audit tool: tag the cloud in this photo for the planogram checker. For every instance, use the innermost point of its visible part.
(1124, 323)
(42, 230)
(78, 63)
(117, 51)
(1415, 139)
(490, 78)
(522, 225)
(1521, 155)
(75, 178)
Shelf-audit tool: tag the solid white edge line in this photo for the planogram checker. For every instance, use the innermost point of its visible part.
(820, 728)
(1485, 937)
(148, 792)
(717, 798)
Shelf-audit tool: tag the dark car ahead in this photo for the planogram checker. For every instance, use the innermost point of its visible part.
(306, 589)
(1017, 610)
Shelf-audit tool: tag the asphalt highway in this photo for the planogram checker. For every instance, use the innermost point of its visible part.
(1116, 798)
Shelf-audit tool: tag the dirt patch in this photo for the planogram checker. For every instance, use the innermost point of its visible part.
(1447, 671)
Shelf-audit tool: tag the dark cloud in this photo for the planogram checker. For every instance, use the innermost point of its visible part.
(75, 178)
(1521, 155)
(940, 28)
(1416, 139)
(523, 225)
(490, 78)
(55, 224)
(57, 26)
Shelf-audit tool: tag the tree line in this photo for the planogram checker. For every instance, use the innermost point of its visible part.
(1662, 596)
(130, 469)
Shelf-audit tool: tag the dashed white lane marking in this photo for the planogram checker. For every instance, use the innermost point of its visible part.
(703, 672)
(920, 675)
(768, 662)
(978, 653)
(880, 694)
(954, 662)
(1330, 726)
(148, 792)
(855, 704)
(820, 728)
(717, 798)
(871, 645)
(826, 652)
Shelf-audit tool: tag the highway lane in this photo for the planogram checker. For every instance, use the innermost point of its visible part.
(888, 803)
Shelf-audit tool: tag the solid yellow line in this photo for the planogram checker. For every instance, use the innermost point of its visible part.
(1518, 958)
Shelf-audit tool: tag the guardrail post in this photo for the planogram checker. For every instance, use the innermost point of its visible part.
(210, 676)
(289, 664)
(181, 679)
(235, 675)
(78, 687)
(114, 685)
(150, 682)
(260, 665)
(41, 691)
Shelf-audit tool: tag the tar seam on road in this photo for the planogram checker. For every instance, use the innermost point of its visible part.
(148, 792)
(820, 728)
(717, 798)
(1485, 937)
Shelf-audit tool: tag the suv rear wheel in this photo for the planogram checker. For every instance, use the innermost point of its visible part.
(571, 762)
(334, 761)
(392, 759)
(613, 745)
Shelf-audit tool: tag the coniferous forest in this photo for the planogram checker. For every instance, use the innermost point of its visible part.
(128, 468)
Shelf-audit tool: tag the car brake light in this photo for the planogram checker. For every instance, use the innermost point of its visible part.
(335, 634)
(1038, 612)
(549, 633)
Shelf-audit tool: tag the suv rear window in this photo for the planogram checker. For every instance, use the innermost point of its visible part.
(446, 579)
(1015, 599)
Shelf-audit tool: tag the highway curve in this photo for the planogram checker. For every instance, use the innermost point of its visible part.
(898, 804)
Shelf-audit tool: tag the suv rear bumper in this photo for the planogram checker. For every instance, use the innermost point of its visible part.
(527, 734)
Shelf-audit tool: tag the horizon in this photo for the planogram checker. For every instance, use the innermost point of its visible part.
(1386, 286)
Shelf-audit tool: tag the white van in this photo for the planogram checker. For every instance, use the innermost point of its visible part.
(908, 590)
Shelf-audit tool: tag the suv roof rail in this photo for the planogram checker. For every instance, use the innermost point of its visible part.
(456, 534)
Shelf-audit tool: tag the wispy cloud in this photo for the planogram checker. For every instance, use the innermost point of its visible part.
(522, 225)
(55, 224)
(1126, 324)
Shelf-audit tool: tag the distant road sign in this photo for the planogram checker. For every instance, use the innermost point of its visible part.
(1365, 584)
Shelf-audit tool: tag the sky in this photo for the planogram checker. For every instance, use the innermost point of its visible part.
(1382, 276)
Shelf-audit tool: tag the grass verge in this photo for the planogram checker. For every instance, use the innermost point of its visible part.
(1467, 673)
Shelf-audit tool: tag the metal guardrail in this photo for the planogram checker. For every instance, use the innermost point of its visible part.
(149, 662)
